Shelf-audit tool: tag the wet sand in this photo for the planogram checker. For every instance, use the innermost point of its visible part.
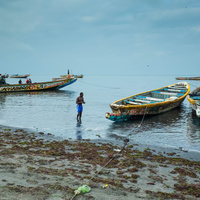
(39, 166)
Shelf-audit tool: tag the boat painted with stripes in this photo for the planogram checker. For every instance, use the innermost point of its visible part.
(38, 86)
(188, 78)
(149, 103)
(194, 99)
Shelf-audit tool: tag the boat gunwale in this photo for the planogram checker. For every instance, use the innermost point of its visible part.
(59, 84)
(151, 104)
(35, 83)
(192, 101)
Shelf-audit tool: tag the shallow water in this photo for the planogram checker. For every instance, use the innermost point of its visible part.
(55, 112)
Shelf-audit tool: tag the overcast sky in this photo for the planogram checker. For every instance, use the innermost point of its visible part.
(106, 37)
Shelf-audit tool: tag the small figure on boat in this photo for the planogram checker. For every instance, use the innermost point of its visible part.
(79, 102)
(20, 81)
(68, 75)
(2, 80)
(27, 81)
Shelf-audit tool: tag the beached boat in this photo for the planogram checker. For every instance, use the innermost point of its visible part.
(194, 99)
(149, 103)
(19, 76)
(40, 86)
(188, 78)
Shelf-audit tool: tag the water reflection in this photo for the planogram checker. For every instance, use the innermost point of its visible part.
(193, 130)
(164, 122)
(41, 93)
(2, 99)
(78, 131)
(47, 110)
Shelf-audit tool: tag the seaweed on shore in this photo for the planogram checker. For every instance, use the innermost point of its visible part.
(97, 164)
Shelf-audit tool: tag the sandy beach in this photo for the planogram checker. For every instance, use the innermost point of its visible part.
(36, 166)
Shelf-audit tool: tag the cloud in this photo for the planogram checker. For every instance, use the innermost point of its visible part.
(89, 33)
(196, 29)
(16, 18)
(89, 19)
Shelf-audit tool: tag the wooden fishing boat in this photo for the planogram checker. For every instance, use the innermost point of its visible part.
(194, 99)
(5, 76)
(188, 78)
(78, 76)
(58, 79)
(75, 76)
(40, 86)
(19, 76)
(149, 103)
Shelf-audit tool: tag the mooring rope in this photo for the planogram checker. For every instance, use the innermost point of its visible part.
(143, 116)
(114, 156)
(193, 85)
(99, 85)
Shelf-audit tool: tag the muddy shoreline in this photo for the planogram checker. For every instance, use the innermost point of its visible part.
(40, 166)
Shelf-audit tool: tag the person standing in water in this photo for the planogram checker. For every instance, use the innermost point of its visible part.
(79, 102)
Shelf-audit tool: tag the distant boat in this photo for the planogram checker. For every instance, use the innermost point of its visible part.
(5, 76)
(194, 99)
(58, 79)
(63, 77)
(78, 76)
(19, 76)
(40, 86)
(149, 103)
(188, 78)
(75, 76)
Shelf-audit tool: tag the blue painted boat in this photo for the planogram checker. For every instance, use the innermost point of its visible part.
(38, 86)
(149, 103)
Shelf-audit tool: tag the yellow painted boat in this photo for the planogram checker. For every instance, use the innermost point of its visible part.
(38, 86)
(149, 103)
(194, 99)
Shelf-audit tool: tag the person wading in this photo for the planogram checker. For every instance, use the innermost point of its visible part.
(79, 102)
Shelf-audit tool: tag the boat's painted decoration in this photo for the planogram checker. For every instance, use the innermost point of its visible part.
(149, 103)
(40, 86)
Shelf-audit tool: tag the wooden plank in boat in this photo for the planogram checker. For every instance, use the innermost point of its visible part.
(167, 93)
(140, 100)
(174, 90)
(195, 97)
(177, 88)
(133, 103)
(152, 98)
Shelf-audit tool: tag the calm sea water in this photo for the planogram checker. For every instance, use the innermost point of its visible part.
(55, 112)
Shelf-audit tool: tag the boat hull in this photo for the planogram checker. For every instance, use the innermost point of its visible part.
(20, 76)
(159, 103)
(194, 100)
(188, 78)
(40, 86)
(75, 76)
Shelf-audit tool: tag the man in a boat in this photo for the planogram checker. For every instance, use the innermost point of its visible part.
(79, 102)
(2, 80)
